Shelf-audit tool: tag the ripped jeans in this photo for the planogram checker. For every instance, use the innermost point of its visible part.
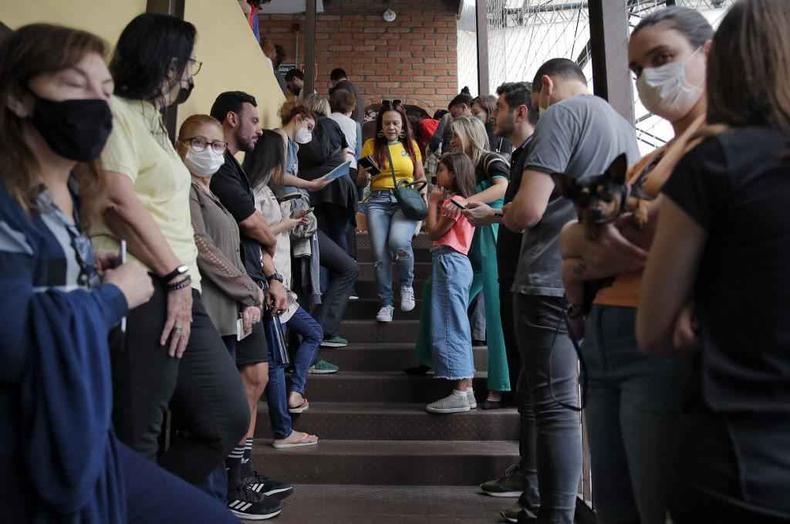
(390, 236)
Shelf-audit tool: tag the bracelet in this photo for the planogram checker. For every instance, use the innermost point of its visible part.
(181, 284)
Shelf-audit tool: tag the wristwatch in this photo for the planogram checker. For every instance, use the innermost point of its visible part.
(177, 272)
(275, 276)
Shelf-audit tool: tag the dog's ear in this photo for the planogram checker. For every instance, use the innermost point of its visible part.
(618, 170)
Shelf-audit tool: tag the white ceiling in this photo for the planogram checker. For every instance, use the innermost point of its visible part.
(289, 7)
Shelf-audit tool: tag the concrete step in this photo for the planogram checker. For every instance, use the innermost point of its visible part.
(375, 356)
(420, 242)
(422, 270)
(366, 309)
(349, 504)
(384, 462)
(394, 386)
(371, 331)
(391, 421)
(365, 254)
(369, 289)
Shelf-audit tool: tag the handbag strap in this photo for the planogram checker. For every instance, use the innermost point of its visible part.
(392, 167)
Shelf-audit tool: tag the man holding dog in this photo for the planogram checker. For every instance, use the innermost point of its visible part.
(578, 135)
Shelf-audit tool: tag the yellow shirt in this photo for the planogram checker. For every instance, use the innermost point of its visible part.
(139, 148)
(404, 167)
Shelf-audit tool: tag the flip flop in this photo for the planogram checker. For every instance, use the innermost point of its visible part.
(306, 440)
(301, 408)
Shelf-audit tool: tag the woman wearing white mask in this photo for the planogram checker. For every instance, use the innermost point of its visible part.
(634, 400)
(228, 293)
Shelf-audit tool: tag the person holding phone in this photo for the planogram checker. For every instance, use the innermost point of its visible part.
(267, 159)
(397, 154)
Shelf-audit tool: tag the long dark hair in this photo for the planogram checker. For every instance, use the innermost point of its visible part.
(149, 48)
(407, 136)
(749, 66)
(268, 156)
(463, 172)
(31, 51)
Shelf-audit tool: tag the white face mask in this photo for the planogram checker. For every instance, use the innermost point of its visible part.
(203, 163)
(665, 92)
(303, 136)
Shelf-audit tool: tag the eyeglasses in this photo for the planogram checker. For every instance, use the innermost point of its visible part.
(199, 143)
(194, 66)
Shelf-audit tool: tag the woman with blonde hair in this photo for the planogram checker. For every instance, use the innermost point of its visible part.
(491, 172)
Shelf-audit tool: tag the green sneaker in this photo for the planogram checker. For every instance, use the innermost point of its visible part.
(322, 367)
(334, 342)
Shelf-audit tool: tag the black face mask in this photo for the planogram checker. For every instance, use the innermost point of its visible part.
(74, 129)
(184, 92)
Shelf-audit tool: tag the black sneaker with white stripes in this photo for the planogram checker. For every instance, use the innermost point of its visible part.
(266, 486)
(246, 504)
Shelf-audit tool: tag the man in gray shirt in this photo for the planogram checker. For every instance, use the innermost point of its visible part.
(577, 135)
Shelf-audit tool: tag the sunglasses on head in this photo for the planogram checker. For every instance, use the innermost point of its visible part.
(391, 104)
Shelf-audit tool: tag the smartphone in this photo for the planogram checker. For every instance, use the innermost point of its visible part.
(121, 261)
(302, 213)
(458, 204)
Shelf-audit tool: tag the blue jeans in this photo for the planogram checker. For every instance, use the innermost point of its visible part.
(451, 336)
(633, 415)
(549, 365)
(303, 324)
(277, 398)
(391, 235)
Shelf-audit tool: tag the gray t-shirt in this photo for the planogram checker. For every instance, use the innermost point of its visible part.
(578, 137)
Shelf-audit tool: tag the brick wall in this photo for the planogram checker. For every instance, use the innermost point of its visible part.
(413, 58)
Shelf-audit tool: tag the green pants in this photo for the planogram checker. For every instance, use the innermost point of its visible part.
(484, 264)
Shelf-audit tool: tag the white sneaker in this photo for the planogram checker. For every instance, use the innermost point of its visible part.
(455, 402)
(407, 299)
(385, 314)
(470, 394)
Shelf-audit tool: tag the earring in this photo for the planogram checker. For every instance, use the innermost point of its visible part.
(402, 135)
(380, 134)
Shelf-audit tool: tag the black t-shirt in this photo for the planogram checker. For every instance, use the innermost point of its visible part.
(233, 189)
(508, 245)
(736, 186)
(320, 156)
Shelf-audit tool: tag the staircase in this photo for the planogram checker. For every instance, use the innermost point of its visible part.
(381, 457)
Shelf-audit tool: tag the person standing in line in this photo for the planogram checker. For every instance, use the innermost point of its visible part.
(635, 401)
(338, 79)
(398, 156)
(294, 83)
(578, 135)
(491, 172)
(298, 124)
(171, 355)
(451, 334)
(716, 279)
(516, 117)
(263, 165)
(238, 114)
(228, 291)
(484, 108)
(60, 460)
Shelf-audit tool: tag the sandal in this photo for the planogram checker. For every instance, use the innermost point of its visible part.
(301, 408)
(305, 440)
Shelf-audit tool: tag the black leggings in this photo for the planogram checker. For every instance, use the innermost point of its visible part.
(203, 391)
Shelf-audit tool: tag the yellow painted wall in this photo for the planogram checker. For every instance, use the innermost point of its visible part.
(232, 59)
(106, 18)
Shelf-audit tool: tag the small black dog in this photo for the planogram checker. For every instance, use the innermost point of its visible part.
(600, 200)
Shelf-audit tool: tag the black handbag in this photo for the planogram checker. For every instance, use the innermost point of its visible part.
(408, 194)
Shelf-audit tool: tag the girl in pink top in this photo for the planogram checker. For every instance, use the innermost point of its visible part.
(451, 336)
